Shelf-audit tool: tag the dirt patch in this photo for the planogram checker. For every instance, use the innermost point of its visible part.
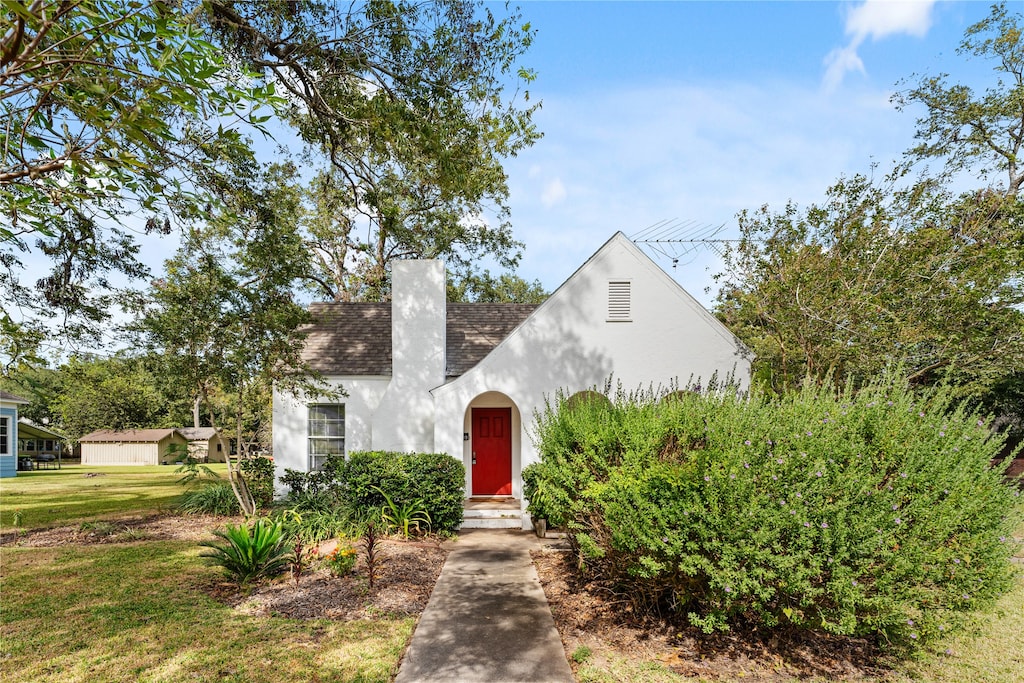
(590, 617)
(404, 581)
(121, 530)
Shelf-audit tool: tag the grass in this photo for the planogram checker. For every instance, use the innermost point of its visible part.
(136, 612)
(66, 496)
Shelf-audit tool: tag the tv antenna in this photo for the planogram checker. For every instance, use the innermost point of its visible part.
(681, 240)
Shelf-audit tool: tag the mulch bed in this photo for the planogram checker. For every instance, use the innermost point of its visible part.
(406, 573)
(404, 579)
(586, 615)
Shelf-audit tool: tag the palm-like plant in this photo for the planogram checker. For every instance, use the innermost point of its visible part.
(403, 517)
(250, 552)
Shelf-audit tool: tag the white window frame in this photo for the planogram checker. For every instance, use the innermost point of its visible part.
(320, 432)
(5, 436)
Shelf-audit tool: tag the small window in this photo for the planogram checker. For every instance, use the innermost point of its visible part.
(220, 447)
(619, 301)
(49, 445)
(326, 433)
(5, 436)
(30, 445)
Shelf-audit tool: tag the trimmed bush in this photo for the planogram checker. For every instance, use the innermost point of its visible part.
(368, 480)
(870, 513)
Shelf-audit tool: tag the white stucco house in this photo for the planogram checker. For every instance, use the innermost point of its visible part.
(466, 379)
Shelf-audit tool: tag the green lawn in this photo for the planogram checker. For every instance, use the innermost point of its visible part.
(65, 496)
(137, 612)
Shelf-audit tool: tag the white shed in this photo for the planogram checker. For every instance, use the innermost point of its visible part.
(132, 447)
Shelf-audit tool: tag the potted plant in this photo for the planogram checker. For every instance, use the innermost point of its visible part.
(539, 501)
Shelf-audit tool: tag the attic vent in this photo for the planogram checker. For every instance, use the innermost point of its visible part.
(619, 301)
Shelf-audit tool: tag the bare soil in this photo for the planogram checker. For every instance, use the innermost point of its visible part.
(588, 615)
(121, 530)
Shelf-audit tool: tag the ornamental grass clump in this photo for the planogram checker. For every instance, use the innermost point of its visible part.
(868, 513)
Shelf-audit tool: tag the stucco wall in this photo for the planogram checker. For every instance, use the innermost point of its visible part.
(291, 416)
(569, 344)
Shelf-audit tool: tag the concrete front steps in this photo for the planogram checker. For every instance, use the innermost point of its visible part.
(492, 513)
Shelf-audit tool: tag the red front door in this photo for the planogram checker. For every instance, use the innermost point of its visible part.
(492, 451)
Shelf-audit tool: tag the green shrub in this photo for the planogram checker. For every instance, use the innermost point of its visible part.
(368, 480)
(313, 484)
(210, 498)
(870, 513)
(259, 475)
(251, 552)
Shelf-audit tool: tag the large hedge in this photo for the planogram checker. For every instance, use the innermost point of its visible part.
(873, 512)
(436, 479)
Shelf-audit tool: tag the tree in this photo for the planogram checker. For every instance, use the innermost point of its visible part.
(970, 131)
(224, 320)
(505, 288)
(405, 102)
(878, 276)
(111, 108)
(111, 393)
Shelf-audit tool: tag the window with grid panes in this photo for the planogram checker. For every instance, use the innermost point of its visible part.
(325, 432)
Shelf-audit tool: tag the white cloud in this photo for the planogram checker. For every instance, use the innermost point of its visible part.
(554, 193)
(875, 19)
(883, 18)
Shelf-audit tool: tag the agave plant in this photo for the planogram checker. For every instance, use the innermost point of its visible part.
(248, 553)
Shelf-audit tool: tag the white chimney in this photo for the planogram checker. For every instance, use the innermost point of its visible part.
(405, 419)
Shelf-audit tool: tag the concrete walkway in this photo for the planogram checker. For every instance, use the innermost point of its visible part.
(487, 619)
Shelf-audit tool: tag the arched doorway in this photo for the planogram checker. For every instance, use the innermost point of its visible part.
(493, 436)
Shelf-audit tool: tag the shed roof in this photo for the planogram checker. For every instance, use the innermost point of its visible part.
(128, 436)
(30, 428)
(12, 398)
(355, 338)
(197, 433)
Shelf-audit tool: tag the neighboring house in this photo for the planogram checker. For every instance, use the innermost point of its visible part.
(9, 433)
(36, 442)
(132, 447)
(203, 444)
(466, 379)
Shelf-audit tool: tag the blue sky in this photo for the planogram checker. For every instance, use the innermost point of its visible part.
(694, 111)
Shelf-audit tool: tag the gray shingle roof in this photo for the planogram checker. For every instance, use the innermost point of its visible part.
(474, 329)
(197, 433)
(13, 398)
(355, 338)
(128, 435)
